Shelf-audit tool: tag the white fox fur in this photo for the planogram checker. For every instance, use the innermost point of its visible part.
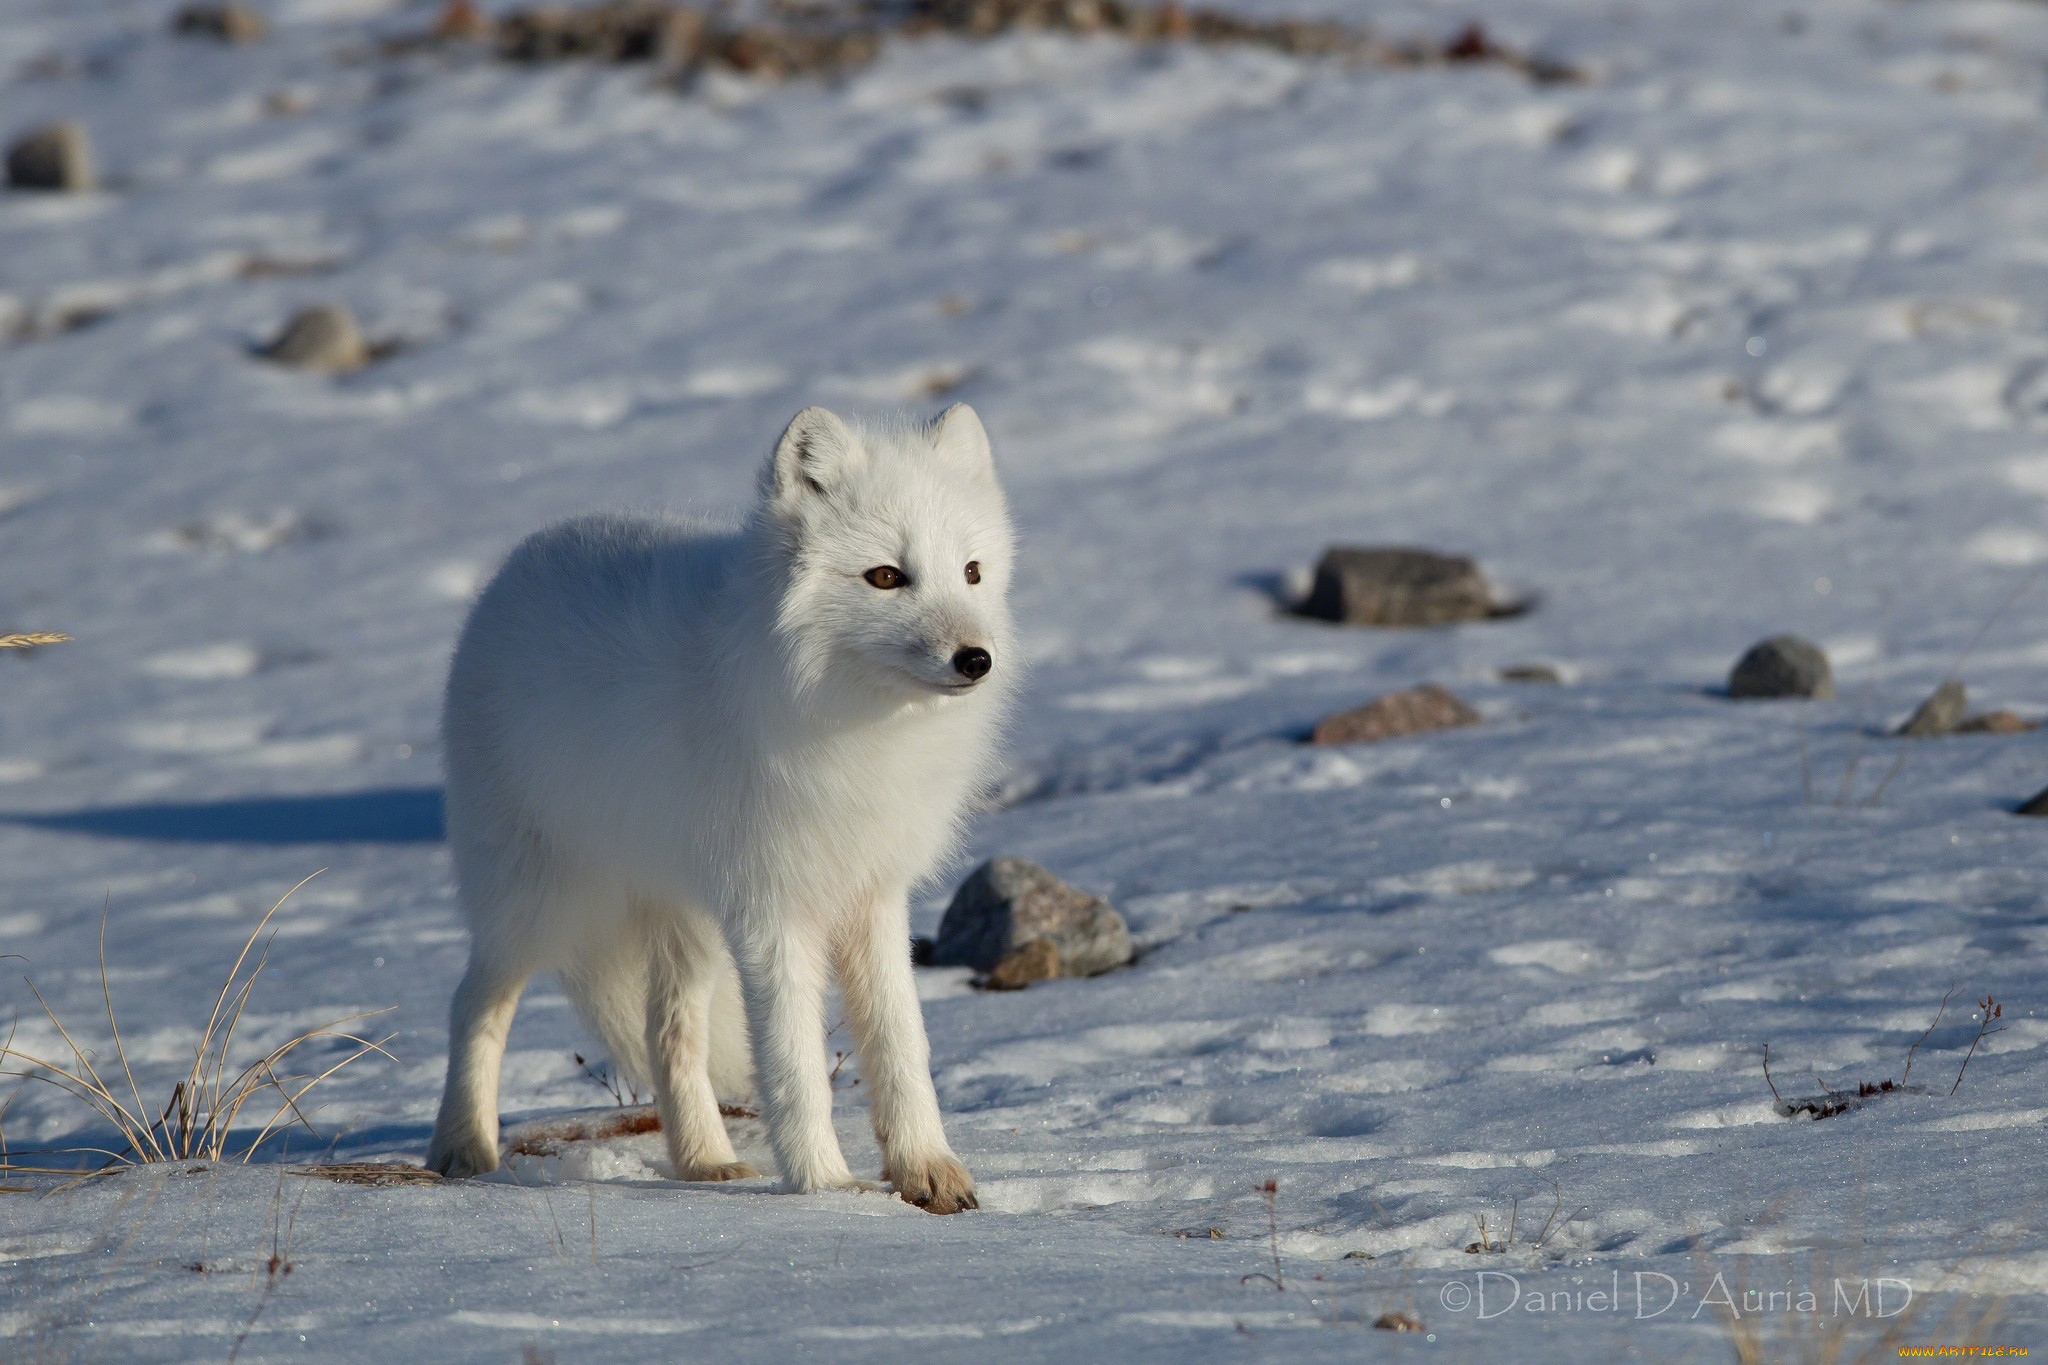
(691, 769)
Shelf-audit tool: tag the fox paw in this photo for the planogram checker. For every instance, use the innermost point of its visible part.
(937, 1184)
(718, 1170)
(461, 1158)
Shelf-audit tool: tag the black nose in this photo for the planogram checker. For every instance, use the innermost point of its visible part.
(973, 663)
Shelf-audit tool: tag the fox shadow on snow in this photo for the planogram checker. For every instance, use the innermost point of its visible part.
(388, 815)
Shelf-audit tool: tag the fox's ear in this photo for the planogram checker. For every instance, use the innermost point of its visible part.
(959, 438)
(812, 460)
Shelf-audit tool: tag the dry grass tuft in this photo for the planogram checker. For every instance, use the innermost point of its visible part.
(195, 1123)
(370, 1173)
(1500, 1245)
(1820, 1332)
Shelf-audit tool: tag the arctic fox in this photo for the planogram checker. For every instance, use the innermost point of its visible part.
(693, 769)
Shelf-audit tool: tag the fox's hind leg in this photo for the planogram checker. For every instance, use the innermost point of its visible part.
(782, 978)
(895, 1058)
(682, 971)
(465, 1139)
(508, 888)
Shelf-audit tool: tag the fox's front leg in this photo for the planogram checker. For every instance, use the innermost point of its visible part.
(895, 1058)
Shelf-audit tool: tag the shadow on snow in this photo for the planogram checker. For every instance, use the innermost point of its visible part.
(390, 815)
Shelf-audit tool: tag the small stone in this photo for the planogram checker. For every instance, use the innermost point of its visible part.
(615, 31)
(1413, 711)
(57, 156)
(1530, 673)
(1783, 666)
(1996, 723)
(1939, 714)
(1397, 586)
(463, 22)
(2037, 804)
(230, 23)
(323, 337)
(1007, 903)
(1397, 1322)
(1038, 960)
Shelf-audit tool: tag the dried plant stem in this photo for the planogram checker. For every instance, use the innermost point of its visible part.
(1270, 1192)
(279, 1264)
(30, 639)
(1991, 1010)
(1925, 1036)
(1557, 1209)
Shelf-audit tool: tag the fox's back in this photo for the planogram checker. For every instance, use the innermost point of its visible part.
(595, 640)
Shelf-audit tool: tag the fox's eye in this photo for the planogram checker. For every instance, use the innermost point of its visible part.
(885, 576)
(973, 571)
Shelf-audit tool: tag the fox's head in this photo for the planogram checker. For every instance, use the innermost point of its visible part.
(897, 547)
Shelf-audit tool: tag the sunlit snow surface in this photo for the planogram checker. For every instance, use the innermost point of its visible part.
(1745, 335)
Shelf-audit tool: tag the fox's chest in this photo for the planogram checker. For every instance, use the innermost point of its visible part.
(888, 800)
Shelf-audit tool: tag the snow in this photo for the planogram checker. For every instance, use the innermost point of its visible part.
(1742, 336)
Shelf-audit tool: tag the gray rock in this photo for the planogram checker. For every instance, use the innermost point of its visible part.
(1782, 666)
(1940, 713)
(1392, 585)
(323, 337)
(229, 23)
(1412, 711)
(1008, 902)
(57, 156)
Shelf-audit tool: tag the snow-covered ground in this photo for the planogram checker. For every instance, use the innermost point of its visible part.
(1746, 334)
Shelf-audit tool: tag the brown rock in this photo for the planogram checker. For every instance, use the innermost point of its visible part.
(1413, 711)
(1038, 960)
(1939, 714)
(229, 23)
(323, 337)
(1397, 1322)
(57, 156)
(1392, 585)
(1996, 723)
(463, 21)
